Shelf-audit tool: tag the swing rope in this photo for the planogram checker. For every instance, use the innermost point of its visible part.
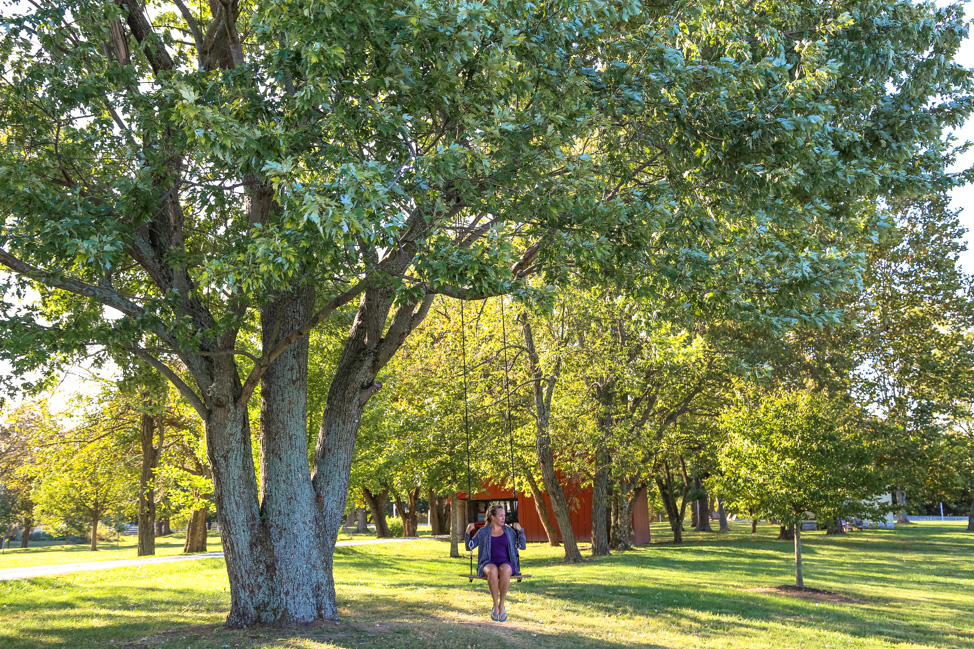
(466, 415)
(507, 418)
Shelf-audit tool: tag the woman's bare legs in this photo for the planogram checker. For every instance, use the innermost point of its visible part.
(504, 582)
(490, 571)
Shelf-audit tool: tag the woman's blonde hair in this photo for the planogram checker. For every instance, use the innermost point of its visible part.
(489, 516)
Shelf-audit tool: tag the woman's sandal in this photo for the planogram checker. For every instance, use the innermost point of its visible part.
(502, 617)
(493, 615)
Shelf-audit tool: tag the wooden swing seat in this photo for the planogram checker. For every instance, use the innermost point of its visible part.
(513, 577)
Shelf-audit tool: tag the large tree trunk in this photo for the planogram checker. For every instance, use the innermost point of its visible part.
(901, 517)
(702, 508)
(28, 525)
(799, 577)
(550, 530)
(147, 499)
(94, 532)
(543, 388)
(301, 574)
(377, 505)
(196, 533)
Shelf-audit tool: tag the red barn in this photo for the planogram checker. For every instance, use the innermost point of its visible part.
(579, 499)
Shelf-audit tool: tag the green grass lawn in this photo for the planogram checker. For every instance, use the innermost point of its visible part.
(45, 553)
(913, 587)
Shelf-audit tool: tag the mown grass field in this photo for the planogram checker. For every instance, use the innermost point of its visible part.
(913, 587)
(47, 553)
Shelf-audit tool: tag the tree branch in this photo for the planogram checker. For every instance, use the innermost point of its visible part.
(175, 379)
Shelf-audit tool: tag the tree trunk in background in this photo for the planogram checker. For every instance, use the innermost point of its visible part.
(94, 532)
(786, 533)
(459, 525)
(754, 522)
(614, 519)
(901, 517)
(722, 516)
(407, 512)
(350, 518)
(147, 498)
(158, 531)
(196, 532)
(970, 519)
(702, 507)
(543, 388)
(665, 485)
(799, 577)
(694, 516)
(166, 527)
(377, 505)
(605, 396)
(834, 526)
(28, 525)
(626, 495)
(361, 522)
(542, 508)
(600, 504)
(436, 527)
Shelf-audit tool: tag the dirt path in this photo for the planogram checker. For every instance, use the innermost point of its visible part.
(7, 574)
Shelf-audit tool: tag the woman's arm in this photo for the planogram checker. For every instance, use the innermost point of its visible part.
(472, 541)
(521, 539)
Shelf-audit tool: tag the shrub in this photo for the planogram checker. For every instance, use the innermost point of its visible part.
(395, 527)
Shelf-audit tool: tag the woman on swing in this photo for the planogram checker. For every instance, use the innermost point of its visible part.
(498, 558)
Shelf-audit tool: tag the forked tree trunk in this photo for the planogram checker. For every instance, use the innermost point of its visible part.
(377, 505)
(550, 529)
(196, 533)
(673, 514)
(799, 577)
(28, 526)
(407, 512)
(147, 499)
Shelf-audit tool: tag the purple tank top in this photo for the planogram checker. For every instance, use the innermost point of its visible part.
(498, 550)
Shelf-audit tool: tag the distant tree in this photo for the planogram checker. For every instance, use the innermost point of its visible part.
(792, 452)
(85, 478)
